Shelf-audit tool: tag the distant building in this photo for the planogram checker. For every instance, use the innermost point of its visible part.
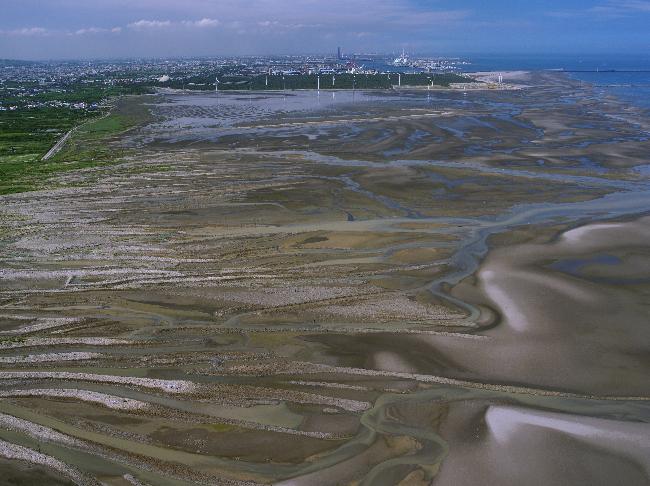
(339, 54)
(402, 60)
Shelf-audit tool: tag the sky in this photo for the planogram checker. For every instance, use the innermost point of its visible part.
(83, 29)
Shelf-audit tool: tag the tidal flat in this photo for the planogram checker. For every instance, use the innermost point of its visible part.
(359, 287)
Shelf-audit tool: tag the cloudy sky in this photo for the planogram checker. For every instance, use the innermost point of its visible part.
(65, 29)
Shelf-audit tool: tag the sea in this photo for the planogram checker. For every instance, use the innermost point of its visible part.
(625, 76)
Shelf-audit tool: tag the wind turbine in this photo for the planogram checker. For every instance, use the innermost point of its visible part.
(216, 84)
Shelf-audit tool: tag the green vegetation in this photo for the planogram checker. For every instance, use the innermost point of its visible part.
(89, 146)
(110, 124)
(351, 81)
(310, 81)
(71, 93)
(26, 135)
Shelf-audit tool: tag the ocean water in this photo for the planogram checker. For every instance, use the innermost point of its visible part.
(624, 76)
(633, 87)
(565, 62)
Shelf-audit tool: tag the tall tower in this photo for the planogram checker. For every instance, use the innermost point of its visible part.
(339, 54)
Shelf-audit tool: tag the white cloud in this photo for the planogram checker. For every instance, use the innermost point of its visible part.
(333, 15)
(203, 23)
(42, 32)
(97, 30)
(149, 24)
(276, 26)
(637, 5)
(27, 31)
(90, 30)
(604, 11)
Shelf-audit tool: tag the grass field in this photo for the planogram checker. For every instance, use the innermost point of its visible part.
(27, 135)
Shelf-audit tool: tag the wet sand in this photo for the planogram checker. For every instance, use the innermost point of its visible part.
(361, 288)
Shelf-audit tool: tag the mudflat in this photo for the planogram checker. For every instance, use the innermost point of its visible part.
(337, 288)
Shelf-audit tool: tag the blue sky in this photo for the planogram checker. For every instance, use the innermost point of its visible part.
(65, 29)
